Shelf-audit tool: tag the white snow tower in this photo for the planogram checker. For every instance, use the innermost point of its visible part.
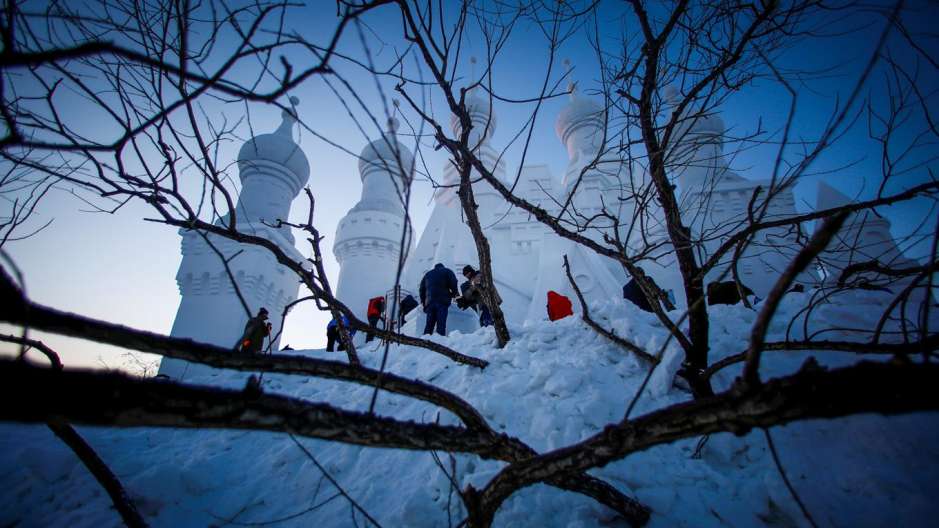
(368, 239)
(273, 169)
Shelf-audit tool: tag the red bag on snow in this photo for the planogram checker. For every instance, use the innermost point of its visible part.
(559, 306)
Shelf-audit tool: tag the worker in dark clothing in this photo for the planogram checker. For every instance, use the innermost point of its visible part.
(473, 295)
(376, 310)
(726, 292)
(438, 288)
(634, 294)
(407, 304)
(256, 329)
(332, 334)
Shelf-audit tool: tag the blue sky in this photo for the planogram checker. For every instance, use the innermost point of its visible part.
(122, 269)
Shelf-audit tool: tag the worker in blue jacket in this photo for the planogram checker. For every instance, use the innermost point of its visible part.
(438, 288)
(332, 334)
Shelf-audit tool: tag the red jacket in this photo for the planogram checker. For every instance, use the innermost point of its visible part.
(376, 305)
(559, 306)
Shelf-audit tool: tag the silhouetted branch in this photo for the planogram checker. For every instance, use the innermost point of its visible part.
(816, 245)
(931, 343)
(878, 268)
(782, 473)
(98, 469)
(32, 343)
(811, 393)
(122, 502)
(609, 334)
(47, 319)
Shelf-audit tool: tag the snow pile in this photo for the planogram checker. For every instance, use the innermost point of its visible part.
(556, 383)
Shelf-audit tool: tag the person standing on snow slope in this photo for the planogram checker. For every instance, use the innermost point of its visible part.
(332, 334)
(376, 309)
(473, 295)
(256, 330)
(438, 288)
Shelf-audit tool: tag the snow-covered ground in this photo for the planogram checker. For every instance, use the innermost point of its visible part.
(555, 383)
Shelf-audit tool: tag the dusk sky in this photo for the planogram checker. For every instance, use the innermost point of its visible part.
(122, 268)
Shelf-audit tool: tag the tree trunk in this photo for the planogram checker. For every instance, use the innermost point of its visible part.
(696, 357)
(468, 202)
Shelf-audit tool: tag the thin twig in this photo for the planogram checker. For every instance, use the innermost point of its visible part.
(815, 246)
(332, 480)
(782, 473)
(609, 334)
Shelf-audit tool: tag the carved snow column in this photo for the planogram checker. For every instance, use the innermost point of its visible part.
(273, 169)
(368, 239)
(456, 247)
(714, 202)
(695, 154)
(491, 204)
(595, 180)
(864, 237)
(580, 127)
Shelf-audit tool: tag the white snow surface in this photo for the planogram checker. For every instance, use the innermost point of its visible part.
(553, 385)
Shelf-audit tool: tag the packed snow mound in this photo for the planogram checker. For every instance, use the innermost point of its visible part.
(553, 385)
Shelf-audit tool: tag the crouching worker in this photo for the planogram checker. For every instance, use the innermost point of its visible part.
(473, 295)
(726, 292)
(633, 293)
(257, 328)
(332, 334)
(408, 304)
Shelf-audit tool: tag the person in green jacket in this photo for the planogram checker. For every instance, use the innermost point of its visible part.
(257, 328)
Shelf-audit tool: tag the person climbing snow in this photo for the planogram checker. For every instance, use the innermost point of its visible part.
(473, 295)
(333, 335)
(256, 329)
(438, 288)
(408, 304)
(633, 293)
(376, 310)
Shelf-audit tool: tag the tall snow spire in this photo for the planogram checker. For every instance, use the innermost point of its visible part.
(571, 84)
(289, 119)
(273, 169)
(478, 105)
(695, 126)
(580, 124)
(368, 239)
(697, 146)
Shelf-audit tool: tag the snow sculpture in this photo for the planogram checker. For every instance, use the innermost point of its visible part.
(715, 199)
(527, 256)
(597, 181)
(864, 237)
(592, 182)
(446, 238)
(273, 169)
(369, 238)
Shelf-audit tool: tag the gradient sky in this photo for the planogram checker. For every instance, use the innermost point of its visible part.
(122, 269)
